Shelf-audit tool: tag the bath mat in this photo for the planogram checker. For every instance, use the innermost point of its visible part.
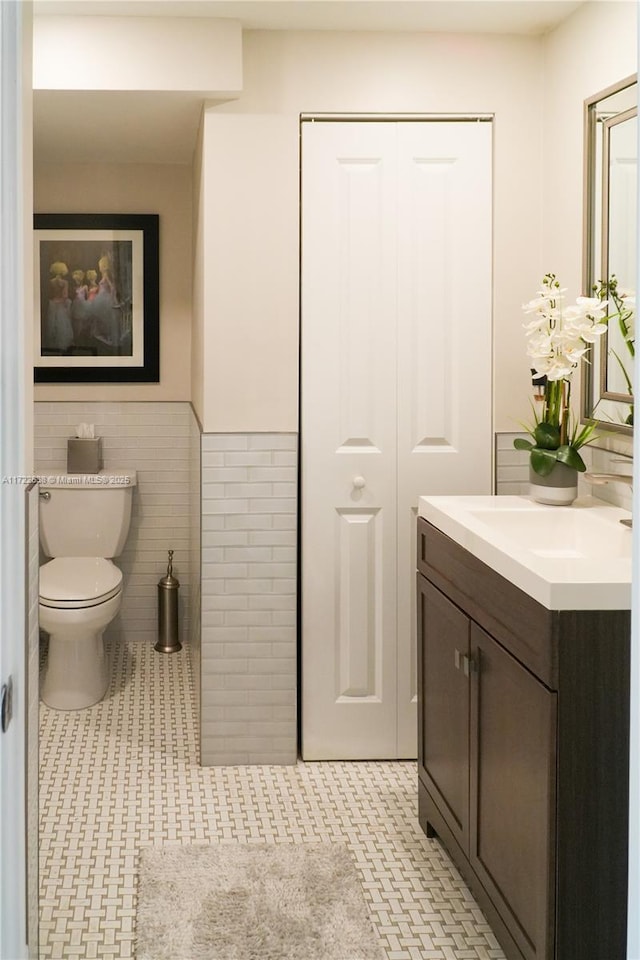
(287, 901)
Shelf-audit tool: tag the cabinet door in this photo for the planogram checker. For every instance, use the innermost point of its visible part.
(512, 808)
(443, 706)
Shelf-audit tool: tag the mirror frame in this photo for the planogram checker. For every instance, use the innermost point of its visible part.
(591, 269)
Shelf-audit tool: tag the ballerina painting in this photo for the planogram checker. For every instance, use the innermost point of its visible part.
(92, 311)
(98, 297)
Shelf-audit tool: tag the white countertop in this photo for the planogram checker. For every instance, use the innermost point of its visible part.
(566, 558)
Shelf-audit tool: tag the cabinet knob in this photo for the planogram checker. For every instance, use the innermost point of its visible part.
(359, 482)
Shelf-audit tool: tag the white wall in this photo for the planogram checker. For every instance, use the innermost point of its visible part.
(151, 53)
(592, 49)
(250, 277)
(197, 318)
(250, 163)
(134, 188)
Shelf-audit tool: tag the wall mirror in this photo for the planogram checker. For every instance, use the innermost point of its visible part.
(610, 224)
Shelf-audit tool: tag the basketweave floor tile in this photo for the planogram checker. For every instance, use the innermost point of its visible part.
(124, 774)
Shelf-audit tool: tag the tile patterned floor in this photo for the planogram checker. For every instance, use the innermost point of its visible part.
(123, 774)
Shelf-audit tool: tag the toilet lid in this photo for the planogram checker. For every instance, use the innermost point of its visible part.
(78, 581)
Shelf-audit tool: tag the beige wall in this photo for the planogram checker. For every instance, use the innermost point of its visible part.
(197, 322)
(250, 282)
(151, 53)
(289, 73)
(134, 188)
(593, 49)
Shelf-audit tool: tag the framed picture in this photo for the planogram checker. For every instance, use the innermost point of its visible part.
(96, 298)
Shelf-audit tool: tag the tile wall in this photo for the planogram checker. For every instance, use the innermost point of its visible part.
(195, 474)
(512, 466)
(512, 469)
(249, 504)
(617, 460)
(155, 440)
(226, 504)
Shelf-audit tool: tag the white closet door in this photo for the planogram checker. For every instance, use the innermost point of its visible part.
(348, 440)
(444, 347)
(395, 231)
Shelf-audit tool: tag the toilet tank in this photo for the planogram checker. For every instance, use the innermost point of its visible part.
(85, 515)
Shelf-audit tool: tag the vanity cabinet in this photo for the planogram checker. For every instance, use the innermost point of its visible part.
(523, 754)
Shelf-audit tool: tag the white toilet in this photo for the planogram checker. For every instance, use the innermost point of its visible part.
(84, 520)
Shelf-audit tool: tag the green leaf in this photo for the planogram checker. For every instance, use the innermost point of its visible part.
(570, 456)
(543, 461)
(547, 436)
(583, 436)
(521, 444)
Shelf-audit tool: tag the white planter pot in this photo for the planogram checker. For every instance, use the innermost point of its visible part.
(559, 488)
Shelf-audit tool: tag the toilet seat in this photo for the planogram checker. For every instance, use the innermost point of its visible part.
(78, 582)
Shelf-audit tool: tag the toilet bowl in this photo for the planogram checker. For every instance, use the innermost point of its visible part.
(79, 597)
(80, 593)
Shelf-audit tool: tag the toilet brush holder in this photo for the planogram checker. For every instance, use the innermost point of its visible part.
(168, 641)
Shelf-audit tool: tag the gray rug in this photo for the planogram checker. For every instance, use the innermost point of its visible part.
(287, 901)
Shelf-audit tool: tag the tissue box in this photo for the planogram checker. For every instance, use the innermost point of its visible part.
(84, 456)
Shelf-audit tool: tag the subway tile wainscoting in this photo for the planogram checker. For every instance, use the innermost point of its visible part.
(249, 504)
(195, 482)
(156, 440)
(226, 504)
(512, 469)
(512, 466)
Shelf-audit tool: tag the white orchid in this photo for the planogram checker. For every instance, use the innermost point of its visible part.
(559, 336)
(558, 339)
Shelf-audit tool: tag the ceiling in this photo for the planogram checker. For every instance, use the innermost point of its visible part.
(469, 16)
(146, 128)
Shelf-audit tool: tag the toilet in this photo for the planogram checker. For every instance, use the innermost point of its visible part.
(84, 522)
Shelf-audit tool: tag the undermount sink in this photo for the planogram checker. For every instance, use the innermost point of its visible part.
(567, 558)
(562, 532)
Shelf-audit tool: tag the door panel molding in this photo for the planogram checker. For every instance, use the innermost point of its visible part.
(359, 591)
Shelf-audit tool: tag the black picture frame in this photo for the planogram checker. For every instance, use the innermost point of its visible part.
(103, 327)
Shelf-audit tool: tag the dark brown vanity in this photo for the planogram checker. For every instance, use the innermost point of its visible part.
(523, 754)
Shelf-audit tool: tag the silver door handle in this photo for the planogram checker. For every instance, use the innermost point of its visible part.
(469, 666)
(6, 704)
(45, 495)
